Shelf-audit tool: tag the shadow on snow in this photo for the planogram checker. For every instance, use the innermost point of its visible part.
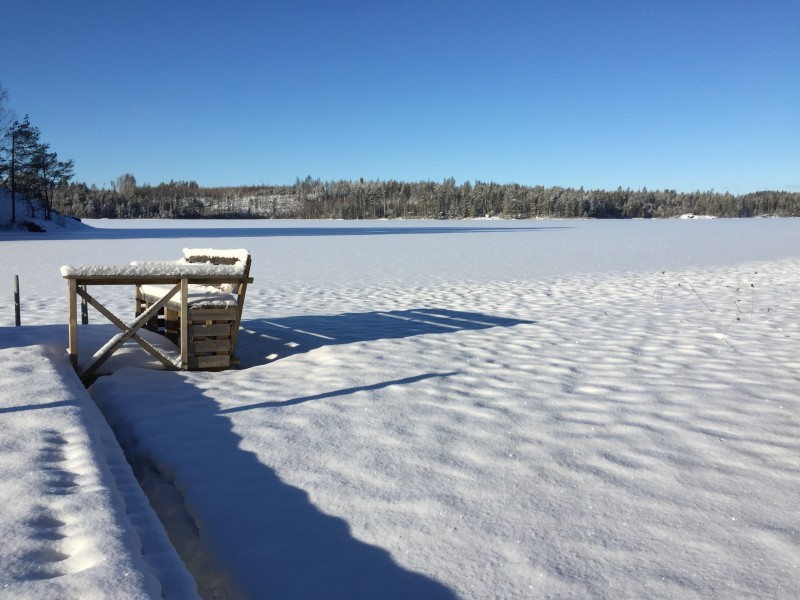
(275, 541)
(272, 540)
(265, 538)
(282, 337)
(226, 230)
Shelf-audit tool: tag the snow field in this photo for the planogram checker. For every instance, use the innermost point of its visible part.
(590, 410)
(582, 436)
(75, 522)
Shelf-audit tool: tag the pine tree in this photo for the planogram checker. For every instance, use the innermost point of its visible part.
(17, 151)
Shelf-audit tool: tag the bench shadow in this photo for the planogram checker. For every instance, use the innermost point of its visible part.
(250, 533)
(274, 339)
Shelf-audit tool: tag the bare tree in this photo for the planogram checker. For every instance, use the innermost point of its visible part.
(126, 185)
(6, 114)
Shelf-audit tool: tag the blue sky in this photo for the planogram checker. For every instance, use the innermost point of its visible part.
(695, 94)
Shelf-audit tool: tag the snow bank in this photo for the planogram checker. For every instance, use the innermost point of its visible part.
(74, 523)
(175, 269)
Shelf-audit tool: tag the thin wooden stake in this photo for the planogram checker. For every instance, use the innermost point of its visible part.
(17, 320)
(84, 309)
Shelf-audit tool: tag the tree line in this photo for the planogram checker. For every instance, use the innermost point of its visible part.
(375, 199)
(28, 167)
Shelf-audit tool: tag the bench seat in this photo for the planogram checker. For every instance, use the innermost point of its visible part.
(200, 296)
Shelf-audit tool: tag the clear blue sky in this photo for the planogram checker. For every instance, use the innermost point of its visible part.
(684, 94)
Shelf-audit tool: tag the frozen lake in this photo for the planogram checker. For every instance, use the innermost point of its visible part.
(362, 252)
(589, 409)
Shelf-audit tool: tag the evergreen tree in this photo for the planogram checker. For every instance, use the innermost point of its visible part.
(17, 151)
(48, 173)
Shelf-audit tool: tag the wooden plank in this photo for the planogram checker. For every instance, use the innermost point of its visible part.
(203, 346)
(174, 279)
(240, 296)
(213, 329)
(212, 314)
(184, 324)
(162, 358)
(72, 320)
(209, 362)
(176, 306)
(110, 348)
(172, 324)
(140, 303)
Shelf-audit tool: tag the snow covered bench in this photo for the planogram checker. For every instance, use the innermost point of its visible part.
(213, 310)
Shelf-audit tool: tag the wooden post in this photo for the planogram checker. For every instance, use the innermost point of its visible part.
(16, 301)
(72, 321)
(84, 309)
(184, 323)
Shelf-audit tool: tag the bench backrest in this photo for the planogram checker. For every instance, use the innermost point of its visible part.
(216, 256)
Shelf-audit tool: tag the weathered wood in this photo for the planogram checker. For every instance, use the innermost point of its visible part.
(84, 309)
(154, 279)
(210, 330)
(72, 322)
(116, 343)
(204, 346)
(171, 324)
(184, 323)
(209, 362)
(17, 316)
(165, 360)
(147, 310)
(241, 292)
(139, 306)
(199, 330)
(211, 314)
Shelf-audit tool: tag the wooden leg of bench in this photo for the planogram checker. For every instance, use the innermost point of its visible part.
(172, 325)
(72, 321)
(184, 324)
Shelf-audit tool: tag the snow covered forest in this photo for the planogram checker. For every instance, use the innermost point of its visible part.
(30, 169)
(315, 199)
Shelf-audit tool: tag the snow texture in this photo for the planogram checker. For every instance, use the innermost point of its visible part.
(425, 410)
(175, 269)
(75, 523)
(200, 296)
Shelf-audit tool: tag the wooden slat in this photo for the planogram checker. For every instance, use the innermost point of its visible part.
(211, 314)
(148, 279)
(203, 346)
(72, 301)
(213, 329)
(184, 324)
(154, 352)
(209, 362)
(176, 305)
(130, 330)
(240, 296)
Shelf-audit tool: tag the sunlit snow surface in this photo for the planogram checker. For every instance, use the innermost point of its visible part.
(471, 409)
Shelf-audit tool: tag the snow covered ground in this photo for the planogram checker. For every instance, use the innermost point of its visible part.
(479, 409)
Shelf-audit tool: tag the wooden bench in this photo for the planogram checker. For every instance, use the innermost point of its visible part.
(213, 311)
